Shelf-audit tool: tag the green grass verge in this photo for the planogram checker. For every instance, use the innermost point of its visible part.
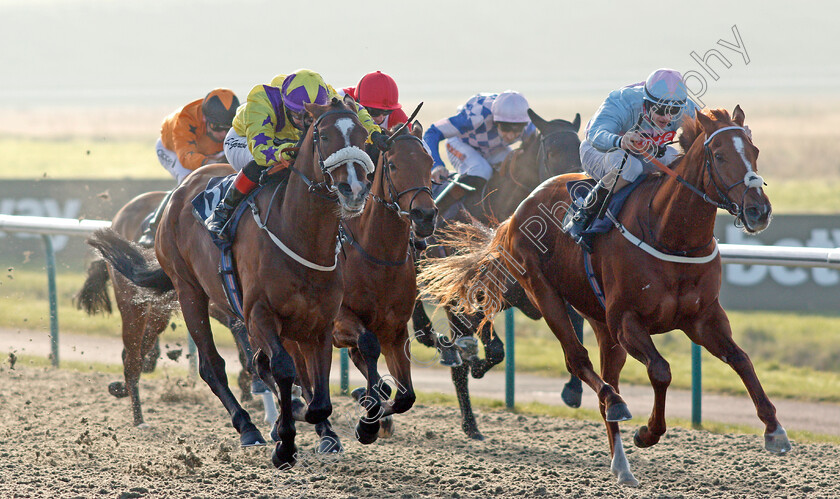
(796, 356)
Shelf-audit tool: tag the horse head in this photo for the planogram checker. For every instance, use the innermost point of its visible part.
(732, 169)
(404, 173)
(559, 145)
(338, 141)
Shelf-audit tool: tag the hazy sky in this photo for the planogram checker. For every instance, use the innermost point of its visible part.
(166, 52)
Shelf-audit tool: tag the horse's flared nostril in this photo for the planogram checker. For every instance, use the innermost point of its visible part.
(344, 189)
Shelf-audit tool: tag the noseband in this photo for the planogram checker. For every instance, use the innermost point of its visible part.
(334, 160)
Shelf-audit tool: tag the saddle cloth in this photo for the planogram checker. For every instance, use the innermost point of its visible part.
(603, 225)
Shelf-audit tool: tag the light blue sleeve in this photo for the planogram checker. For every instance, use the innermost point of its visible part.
(609, 123)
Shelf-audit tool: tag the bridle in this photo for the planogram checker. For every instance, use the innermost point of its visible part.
(751, 179)
(333, 161)
(393, 194)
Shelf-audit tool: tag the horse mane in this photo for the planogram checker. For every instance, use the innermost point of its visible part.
(691, 128)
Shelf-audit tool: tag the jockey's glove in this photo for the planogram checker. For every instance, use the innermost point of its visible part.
(380, 140)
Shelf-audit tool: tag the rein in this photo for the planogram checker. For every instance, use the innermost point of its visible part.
(392, 205)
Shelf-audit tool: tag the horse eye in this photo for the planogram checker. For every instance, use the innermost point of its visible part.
(391, 165)
(718, 156)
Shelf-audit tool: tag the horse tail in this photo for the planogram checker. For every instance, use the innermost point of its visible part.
(473, 278)
(93, 297)
(128, 260)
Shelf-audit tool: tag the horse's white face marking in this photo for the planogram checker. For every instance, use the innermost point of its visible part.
(739, 146)
(356, 184)
(345, 126)
(751, 179)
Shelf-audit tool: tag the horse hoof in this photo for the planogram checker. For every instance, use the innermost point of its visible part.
(468, 348)
(367, 434)
(571, 395)
(284, 458)
(252, 438)
(258, 387)
(358, 393)
(628, 480)
(450, 357)
(777, 442)
(618, 412)
(639, 441)
(329, 445)
(299, 409)
(117, 389)
(386, 427)
(476, 436)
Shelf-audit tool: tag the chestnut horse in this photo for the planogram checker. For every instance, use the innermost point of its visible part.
(144, 315)
(659, 271)
(554, 150)
(285, 254)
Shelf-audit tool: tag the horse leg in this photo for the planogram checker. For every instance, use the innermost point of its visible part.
(494, 350)
(460, 378)
(133, 328)
(573, 389)
(426, 334)
(367, 355)
(637, 342)
(613, 357)
(553, 308)
(715, 335)
(399, 365)
(211, 366)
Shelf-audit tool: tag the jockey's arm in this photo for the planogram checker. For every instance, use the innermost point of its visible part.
(185, 134)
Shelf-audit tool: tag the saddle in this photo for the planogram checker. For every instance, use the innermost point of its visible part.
(616, 203)
(204, 204)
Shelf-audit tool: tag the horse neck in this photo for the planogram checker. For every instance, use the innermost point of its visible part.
(680, 217)
(379, 230)
(509, 186)
(308, 222)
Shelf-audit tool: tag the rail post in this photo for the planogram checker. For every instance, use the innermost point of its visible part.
(53, 297)
(696, 386)
(510, 363)
(345, 371)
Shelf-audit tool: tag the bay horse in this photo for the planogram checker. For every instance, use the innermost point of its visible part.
(380, 283)
(659, 271)
(144, 315)
(287, 265)
(554, 150)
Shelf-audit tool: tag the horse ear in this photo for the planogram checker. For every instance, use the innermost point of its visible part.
(738, 115)
(314, 110)
(536, 119)
(350, 102)
(707, 123)
(576, 122)
(417, 129)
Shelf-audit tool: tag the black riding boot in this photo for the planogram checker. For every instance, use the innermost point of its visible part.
(219, 219)
(147, 239)
(585, 215)
(455, 193)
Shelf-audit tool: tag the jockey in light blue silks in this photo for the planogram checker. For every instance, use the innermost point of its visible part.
(478, 140)
(634, 122)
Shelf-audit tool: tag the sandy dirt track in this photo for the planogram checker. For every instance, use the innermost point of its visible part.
(62, 435)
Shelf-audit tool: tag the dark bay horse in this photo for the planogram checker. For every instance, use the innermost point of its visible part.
(554, 150)
(668, 280)
(285, 255)
(380, 283)
(144, 315)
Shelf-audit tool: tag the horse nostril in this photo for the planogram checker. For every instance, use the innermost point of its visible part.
(753, 213)
(344, 189)
(416, 215)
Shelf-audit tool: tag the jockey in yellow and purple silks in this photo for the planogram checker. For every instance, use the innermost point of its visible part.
(272, 120)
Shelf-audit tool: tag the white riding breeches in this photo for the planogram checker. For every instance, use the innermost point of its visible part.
(236, 150)
(598, 163)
